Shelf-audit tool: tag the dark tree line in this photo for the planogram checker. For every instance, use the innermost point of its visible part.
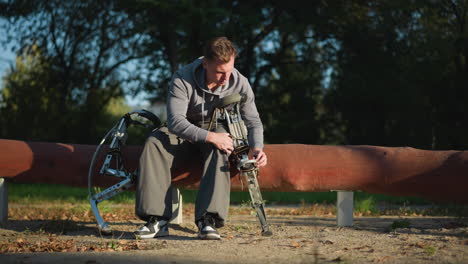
(379, 72)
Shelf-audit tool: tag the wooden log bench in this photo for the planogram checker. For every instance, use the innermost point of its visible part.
(402, 171)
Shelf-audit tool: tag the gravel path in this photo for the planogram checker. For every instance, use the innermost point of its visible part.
(296, 239)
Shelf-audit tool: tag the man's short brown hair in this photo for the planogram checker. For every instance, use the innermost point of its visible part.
(219, 48)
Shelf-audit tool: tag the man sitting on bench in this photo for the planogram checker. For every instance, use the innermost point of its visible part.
(193, 93)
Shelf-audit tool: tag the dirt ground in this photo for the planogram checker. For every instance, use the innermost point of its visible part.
(298, 238)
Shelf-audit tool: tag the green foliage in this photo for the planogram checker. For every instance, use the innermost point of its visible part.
(296, 91)
(29, 98)
(365, 205)
(112, 245)
(78, 48)
(397, 81)
(36, 193)
(375, 72)
(40, 193)
(430, 250)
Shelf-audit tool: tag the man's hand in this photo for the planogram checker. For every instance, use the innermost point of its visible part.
(260, 156)
(222, 141)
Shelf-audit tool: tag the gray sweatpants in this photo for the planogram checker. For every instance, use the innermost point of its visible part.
(163, 152)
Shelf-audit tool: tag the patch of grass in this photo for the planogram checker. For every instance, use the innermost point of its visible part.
(105, 208)
(112, 245)
(22, 193)
(27, 193)
(365, 206)
(238, 228)
(403, 223)
(78, 209)
(246, 204)
(430, 250)
(38, 193)
(272, 198)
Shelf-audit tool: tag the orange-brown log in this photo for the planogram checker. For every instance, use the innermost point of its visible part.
(435, 175)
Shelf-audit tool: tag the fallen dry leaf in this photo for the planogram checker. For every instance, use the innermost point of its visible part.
(369, 249)
(420, 245)
(295, 245)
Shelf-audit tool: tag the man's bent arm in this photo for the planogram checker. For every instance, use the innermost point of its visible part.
(251, 118)
(177, 105)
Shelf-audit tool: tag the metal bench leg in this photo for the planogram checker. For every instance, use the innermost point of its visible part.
(176, 206)
(3, 201)
(344, 208)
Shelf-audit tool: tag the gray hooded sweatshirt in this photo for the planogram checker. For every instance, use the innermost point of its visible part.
(190, 103)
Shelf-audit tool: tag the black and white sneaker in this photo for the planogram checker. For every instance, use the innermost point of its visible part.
(207, 230)
(153, 228)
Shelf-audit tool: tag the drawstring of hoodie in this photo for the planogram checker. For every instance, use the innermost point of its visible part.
(203, 109)
(215, 114)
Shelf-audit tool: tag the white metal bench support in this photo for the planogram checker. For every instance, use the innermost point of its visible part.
(344, 208)
(176, 206)
(3, 201)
